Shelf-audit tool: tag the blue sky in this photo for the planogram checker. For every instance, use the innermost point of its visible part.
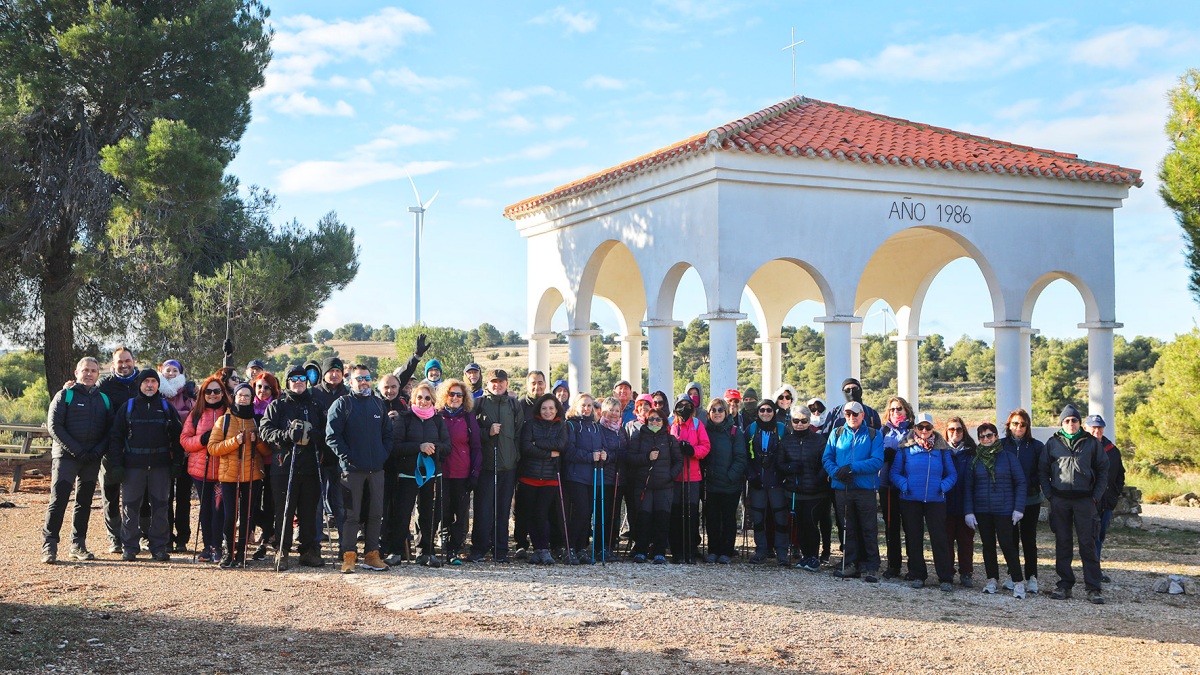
(491, 103)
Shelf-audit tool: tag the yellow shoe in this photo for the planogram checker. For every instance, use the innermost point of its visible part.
(348, 560)
(372, 561)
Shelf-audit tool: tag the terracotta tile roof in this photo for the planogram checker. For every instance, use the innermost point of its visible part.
(808, 128)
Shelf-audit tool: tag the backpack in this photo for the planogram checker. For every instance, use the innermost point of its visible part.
(70, 396)
(837, 433)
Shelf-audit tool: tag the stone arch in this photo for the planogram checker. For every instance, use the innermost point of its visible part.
(1091, 308)
(773, 290)
(664, 299)
(548, 304)
(612, 274)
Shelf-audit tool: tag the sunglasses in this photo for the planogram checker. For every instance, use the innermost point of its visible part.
(1018, 423)
(424, 398)
(765, 411)
(297, 378)
(896, 408)
(924, 427)
(986, 434)
(799, 421)
(954, 430)
(362, 378)
(213, 392)
(787, 396)
(851, 413)
(454, 394)
(653, 419)
(716, 410)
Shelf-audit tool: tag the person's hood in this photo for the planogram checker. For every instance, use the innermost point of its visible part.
(939, 443)
(789, 389)
(560, 383)
(312, 369)
(694, 385)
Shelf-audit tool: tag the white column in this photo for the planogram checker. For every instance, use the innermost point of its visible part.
(579, 360)
(661, 339)
(837, 353)
(539, 352)
(631, 360)
(1025, 371)
(1008, 365)
(856, 343)
(1100, 368)
(906, 367)
(722, 351)
(772, 364)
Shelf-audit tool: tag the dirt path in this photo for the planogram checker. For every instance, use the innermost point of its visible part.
(109, 616)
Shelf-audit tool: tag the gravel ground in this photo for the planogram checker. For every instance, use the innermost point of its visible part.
(109, 616)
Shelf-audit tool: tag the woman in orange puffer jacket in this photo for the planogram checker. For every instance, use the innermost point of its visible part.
(235, 440)
(211, 404)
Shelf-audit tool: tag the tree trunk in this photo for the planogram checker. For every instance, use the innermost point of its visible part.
(58, 312)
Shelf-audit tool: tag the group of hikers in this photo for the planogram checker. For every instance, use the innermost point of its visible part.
(276, 464)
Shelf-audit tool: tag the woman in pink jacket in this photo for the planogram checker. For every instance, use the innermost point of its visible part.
(211, 404)
(685, 504)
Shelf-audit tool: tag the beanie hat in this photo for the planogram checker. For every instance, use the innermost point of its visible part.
(147, 374)
(751, 392)
(851, 381)
(173, 362)
(560, 383)
(293, 370)
(431, 364)
(241, 387)
(331, 363)
(1068, 412)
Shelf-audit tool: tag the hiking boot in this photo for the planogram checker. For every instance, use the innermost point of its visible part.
(49, 555)
(639, 558)
(1104, 578)
(847, 572)
(181, 547)
(611, 557)
(917, 583)
(724, 560)
(571, 559)
(349, 558)
(80, 554)
(226, 562)
(1019, 590)
(207, 555)
(312, 558)
(548, 558)
(990, 587)
(372, 561)
(393, 560)
(473, 557)
(946, 587)
(660, 560)
(758, 558)
(1061, 593)
(282, 561)
(783, 561)
(129, 556)
(585, 558)
(1031, 585)
(522, 554)
(966, 581)
(710, 558)
(114, 547)
(891, 573)
(1095, 598)
(162, 556)
(260, 553)
(870, 578)
(435, 562)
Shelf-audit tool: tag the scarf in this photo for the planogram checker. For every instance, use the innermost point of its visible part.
(243, 411)
(424, 413)
(987, 455)
(126, 380)
(171, 386)
(610, 424)
(450, 412)
(260, 405)
(1072, 440)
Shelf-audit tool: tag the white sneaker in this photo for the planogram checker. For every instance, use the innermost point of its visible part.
(1032, 586)
(1008, 584)
(990, 587)
(1019, 590)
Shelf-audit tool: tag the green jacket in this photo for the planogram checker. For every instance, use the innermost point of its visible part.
(502, 451)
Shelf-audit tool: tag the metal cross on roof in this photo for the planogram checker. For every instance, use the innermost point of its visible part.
(793, 48)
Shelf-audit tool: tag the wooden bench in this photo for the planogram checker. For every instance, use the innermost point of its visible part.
(25, 451)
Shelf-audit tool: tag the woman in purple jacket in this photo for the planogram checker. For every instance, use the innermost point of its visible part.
(460, 470)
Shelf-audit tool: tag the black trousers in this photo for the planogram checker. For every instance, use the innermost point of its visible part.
(264, 510)
(456, 511)
(179, 516)
(720, 519)
(893, 525)
(993, 527)
(408, 497)
(774, 501)
(685, 521)
(580, 509)
(858, 514)
(931, 516)
(301, 504)
(238, 526)
(653, 530)
(1076, 514)
(540, 510)
(67, 474)
(493, 501)
(808, 524)
(1025, 538)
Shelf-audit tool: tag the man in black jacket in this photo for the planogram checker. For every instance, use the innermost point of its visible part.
(1074, 475)
(78, 421)
(294, 426)
(119, 385)
(1094, 425)
(145, 454)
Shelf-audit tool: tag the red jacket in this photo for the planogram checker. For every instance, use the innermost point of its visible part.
(693, 432)
(197, 452)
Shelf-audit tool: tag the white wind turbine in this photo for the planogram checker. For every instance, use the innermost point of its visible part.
(418, 231)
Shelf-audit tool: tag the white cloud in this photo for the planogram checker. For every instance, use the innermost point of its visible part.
(700, 10)
(400, 135)
(304, 45)
(320, 176)
(1020, 110)
(948, 58)
(575, 22)
(604, 82)
(477, 203)
(557, 122)
(1119, 48)
(550, 178)
(544, 150)
(510, 97)
(299, 104)
(406, 78)
(516, 123)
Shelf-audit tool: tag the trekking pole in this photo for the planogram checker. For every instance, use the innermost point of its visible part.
(792, 521)
(286, 521)
(239, 493)
(687, 510)
(595, 472)
(200, 499)
(563, 506)
(603, 534)
(228, 316)
(495, 500)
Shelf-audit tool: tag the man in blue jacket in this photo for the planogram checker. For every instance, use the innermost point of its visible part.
(359, 433)
(78, 421)
(853, 457)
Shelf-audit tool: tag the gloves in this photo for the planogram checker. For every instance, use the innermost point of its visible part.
(204, 438)
(686, 449)
(472, 483)
(970, 521)
(228, 347)
(1017, 516)
(296, 431)
(756, 484)
(422, 345)
(843, 473)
